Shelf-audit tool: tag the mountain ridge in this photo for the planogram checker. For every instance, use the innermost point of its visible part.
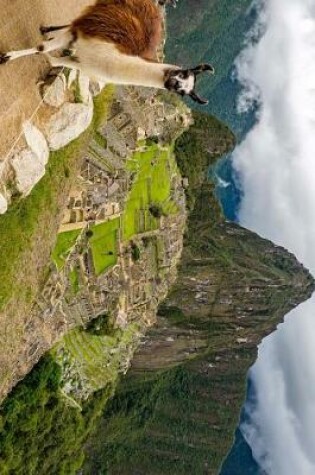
(178, 406)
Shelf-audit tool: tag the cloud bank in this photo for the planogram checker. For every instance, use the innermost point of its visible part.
(276, 165)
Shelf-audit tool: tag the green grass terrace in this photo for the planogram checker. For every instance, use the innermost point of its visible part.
(103, 243)
(65, 243)
(153, 168)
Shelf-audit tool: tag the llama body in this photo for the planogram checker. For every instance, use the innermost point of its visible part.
(108, 64)
(116, 41)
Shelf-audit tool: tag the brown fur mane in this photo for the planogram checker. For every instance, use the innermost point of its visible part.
(133, 25)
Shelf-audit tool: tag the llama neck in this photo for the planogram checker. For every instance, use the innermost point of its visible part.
(139, 72)
(104, 61)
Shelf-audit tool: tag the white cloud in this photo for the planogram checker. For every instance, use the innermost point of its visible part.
(276, 164)
(282, 432)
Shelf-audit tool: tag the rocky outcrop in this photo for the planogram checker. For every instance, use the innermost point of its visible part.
(54, 95)
(29, 163)
(68, 115)
(68, 123)
(3, 204)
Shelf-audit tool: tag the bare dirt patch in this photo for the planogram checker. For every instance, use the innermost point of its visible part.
(19, 94)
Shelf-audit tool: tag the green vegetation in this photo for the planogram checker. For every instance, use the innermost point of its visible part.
(198, 148)
(135, 252)
(153, 169)
(100, 326)
(101, 106)
(156, 210)
(74, 280)
(104, 242)
(99, 351)
(64, 244)
(100, 139)
(40, 433)
(160, 423)
(77, 93)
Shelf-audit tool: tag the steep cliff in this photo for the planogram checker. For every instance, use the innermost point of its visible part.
(177, 408)
(121, 194)
(115, 256)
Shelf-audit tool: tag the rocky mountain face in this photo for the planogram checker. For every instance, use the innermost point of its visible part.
(177, 408)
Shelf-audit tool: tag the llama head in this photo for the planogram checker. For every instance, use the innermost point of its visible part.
(183, 81)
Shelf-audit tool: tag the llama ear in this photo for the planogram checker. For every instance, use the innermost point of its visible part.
(203, 67)
(197, 98)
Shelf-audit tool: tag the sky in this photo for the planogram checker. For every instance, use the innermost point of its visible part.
(276, 166)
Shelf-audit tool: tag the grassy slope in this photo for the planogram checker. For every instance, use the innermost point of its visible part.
(98, 356)
(35, 219)
(65, 241)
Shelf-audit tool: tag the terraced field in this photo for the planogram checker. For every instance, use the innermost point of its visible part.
(99, 358)
(154, 169)
(104, 245)
(64, 244)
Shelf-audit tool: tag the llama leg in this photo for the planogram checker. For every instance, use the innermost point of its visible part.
(58, 42)
(63, 61)
(44, 30)
(57, 65)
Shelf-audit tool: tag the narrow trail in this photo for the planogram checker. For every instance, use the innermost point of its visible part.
(19, 24)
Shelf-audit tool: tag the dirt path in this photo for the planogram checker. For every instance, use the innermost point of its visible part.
(19, 23)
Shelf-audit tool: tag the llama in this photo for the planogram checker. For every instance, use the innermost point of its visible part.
(116, 41)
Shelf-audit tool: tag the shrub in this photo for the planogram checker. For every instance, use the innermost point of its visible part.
(156, 211)
(100, 325)
(135, 252)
